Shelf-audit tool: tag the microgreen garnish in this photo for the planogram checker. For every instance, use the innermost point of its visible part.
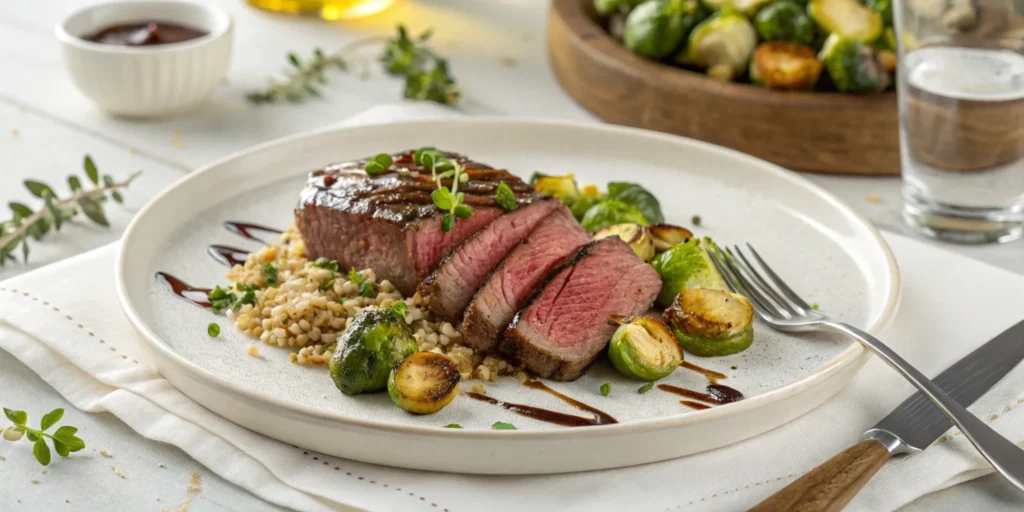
(327, 285)
(325, 263)
(400, 308)
(270, 272)
(453, 425)
(213, 329)
(26, 223)
(378, 164)
(355, 276)
(645, 388)
(505, 197)
(448, 200)
(366, 289)
(501, 425)
(64, 439)
(221, 300)
(426, 73)
(605, 389)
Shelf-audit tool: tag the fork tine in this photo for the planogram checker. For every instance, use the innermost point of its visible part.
(767, 288)
(739, 286)
(778, 281)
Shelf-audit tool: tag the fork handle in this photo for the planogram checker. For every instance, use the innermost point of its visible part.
(830, 486)
(1007, 458)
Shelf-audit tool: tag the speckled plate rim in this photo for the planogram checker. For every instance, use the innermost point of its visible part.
(854, 354)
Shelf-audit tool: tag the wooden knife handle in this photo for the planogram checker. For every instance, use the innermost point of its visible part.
(830, 486)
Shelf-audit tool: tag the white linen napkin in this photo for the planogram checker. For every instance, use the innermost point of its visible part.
(64, 322)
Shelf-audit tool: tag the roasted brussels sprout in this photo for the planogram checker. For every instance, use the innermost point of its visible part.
(883, 8)
(722, 44)
(376, 341)
(655, 29)
(633, 234)
(785, 20)
(638, 197)
(644, 348)
(746, 7)
(561, 187)
(685, 266)
(785, 65)
(424, 383)
(611, 212)
(848, 18)
(667, 235)
(852, 65)
(608, 7)
(711, 323)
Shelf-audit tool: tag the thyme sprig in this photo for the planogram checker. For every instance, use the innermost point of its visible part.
(27, 224)
(64, 439)
(427, 76)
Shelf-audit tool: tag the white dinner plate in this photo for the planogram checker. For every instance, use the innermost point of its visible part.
(830, 254)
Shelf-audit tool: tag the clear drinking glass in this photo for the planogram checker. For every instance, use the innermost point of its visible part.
(961, 107)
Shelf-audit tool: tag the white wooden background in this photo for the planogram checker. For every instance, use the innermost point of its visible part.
(498, 54)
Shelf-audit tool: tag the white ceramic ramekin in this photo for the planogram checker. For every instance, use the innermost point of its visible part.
(147, 81)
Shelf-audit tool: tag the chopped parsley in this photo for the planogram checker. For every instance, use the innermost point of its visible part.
(605, 389)
(322, 262)
(453, 425)
(501, 425)
(213, 329)
(400, 308)
(326, 285)
(270, 271)
(645, 388)
(221, 300)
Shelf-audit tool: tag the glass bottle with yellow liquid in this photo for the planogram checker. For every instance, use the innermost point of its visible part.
(326, 9)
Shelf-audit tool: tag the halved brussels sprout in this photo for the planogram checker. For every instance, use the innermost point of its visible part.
(747, 7)
(655, 29)
(785, 20)
(562, 187)
(644, 348)
(638, 197)
(785, 65)
(853, 66)
(686, 265)
(711, 323)
(424, 383)
(667, 235)
(611, 212)
(376, 341)
(848, 18)
(722, 44)
(633, 234)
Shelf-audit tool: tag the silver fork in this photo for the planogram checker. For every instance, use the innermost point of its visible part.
(780, 307)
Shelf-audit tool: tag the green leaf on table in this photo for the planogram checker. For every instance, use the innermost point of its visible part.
(91, 171)
(41, 451)
(67, 436)
(117, 197)
(20, 211)
(39, 189)
(18, 417)
(55, 213)
(108, 180)
(32, 436)
(94, 211)
(51, 419)
(74, 183)
(61, 448)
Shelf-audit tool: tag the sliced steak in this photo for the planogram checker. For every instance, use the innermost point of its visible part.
(449, 289)
(388, 222)
(564, 326)
(508, 287)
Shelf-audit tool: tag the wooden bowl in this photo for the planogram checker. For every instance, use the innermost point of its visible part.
(821, 132)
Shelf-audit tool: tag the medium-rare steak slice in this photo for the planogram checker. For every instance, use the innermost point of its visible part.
(508, 287)
(388, 222)
(451, 286)
(564, 326)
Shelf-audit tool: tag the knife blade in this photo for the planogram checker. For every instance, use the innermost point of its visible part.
(910, 427)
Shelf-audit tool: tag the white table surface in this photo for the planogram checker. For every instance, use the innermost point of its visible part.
(46, 126)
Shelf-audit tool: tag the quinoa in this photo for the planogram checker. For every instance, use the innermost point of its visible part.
(306, 306)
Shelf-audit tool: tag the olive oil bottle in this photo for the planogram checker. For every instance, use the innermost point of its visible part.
(326, 9)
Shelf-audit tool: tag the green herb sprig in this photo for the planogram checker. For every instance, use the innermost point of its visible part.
(447, 199)
(365, 287)
(427, 76)
(64, 439)
(26, 224)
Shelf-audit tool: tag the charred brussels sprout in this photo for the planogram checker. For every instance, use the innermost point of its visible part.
(561, 187)
(785, 21)
(638, 197)
(667, 235)
(376, 341)
(722, 44)
(655, 29)
(746, 7)
(785, 65)
(611, 212)
(852, 65)
(637, 236)
(848, 18)
(644, 348)
(711, 323)
(685, 266)
(424, 383)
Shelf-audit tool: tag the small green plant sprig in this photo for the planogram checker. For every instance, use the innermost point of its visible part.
(427, 76)
(64, 439)
(449, 200)
(35, 224)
